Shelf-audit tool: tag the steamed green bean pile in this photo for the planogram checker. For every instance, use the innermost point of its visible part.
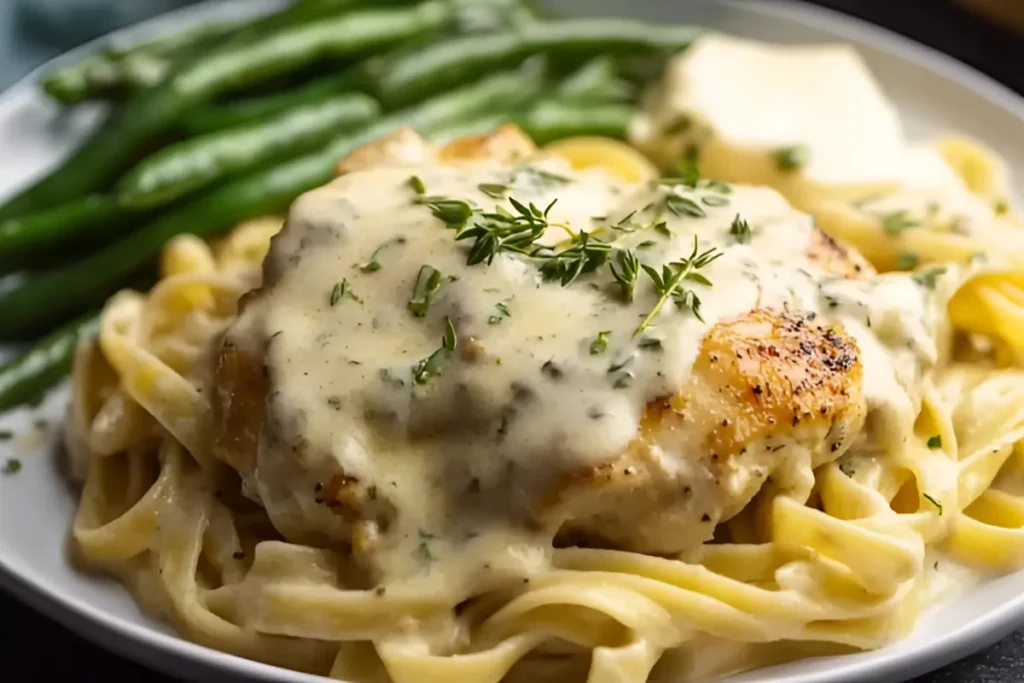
(227, 121)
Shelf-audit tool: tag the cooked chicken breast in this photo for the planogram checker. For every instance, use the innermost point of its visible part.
(382, 392)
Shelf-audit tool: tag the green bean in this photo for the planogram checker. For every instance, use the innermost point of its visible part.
(50, 298)
(25, 378)
(118, 70)
(190, 165)
(35, 239)
(606, 36)
(219, 117)
(553, 120)
(414, 74)
(596, 81)
(222, 70)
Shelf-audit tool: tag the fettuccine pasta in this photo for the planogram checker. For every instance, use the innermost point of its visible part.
(553, 464)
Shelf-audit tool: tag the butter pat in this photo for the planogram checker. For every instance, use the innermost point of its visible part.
(740, 103)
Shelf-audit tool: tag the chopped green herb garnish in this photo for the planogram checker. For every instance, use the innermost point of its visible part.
(6, 435)
(493, 190)
(651, 344)
(12, 466)
(661, 227)
(646, 244)
(740, 230)
(343, 290)
(600, 343)
(423, 550)
(542, 178)
(668, 283)
(679, 125)
(373, 265)
(625, 270)
(791, 158)
(927, 277)
(935, 441)
(907, 261)
(719, 187)
(896, 222)
(452, 212)
(683, 206)
(416, 183)
(433, 365)
(503, 313)
(1001, 207)
(714, 200)
(933, 502)
(626, 224)
(428, 282)
(865, 200)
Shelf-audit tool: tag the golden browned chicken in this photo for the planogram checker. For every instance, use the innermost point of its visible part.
(355, 418)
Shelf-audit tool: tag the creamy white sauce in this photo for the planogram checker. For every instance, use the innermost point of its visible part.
(454, 478)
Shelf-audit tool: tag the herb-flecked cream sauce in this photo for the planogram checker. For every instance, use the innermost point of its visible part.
(453, 440)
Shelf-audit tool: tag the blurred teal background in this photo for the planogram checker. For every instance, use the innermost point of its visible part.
(32, 31)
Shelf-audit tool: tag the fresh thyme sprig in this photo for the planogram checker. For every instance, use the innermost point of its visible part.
(505, 231)
(428, 282)
(668, 283)
(626, 273)
(585, 254)
(433, 365)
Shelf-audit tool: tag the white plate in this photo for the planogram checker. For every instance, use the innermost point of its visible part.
(934, 94)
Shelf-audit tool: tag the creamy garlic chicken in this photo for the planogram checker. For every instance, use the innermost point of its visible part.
(451, 420)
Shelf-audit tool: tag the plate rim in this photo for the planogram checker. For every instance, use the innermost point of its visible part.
(146, 645)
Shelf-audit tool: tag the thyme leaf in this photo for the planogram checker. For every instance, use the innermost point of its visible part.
(626, 273)
(343, 290)
(600, 343)
(896, 222)
(791, 158)
(740, 230)
(433, 365)
(452, 212)
(428, 282)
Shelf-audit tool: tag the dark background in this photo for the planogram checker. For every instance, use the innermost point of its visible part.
(33, 648)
